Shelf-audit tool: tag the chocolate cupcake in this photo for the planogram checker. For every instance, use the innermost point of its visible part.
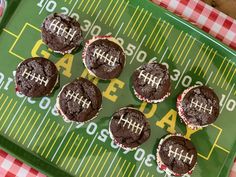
(176, 155)
(129, 128)
(61, 33)
(36, 77)
(79, 101)
(104, 57)
(151, 82)
(198, 106)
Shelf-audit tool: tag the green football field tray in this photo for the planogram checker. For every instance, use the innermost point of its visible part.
(32, 130)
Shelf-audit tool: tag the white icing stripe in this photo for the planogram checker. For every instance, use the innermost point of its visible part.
(180, 155)
(109, 59)
(80, 100)
(37, 78)
(200, 106)
(180, 110)
(64, 116)
(60, 30)
(161, 163)
(117, 143)
(95, 38)
(135, 127)
(150, 79)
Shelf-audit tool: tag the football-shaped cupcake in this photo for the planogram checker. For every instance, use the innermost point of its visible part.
(129, 128)
(79, 101)
(176, 155)
(104, 57)
(198, 106)
(151, 82)
(36, 77)
(61, 33)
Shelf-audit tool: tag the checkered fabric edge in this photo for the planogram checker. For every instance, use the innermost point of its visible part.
(11, 167)
(2, 7)
(209, 19)
(233, 170)
(204, 16)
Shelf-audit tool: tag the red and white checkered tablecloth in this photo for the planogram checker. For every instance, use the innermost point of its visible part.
(204, 16)
(11, 167)
(209, 19)
(233, 170)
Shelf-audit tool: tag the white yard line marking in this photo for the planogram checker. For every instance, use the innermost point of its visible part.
(42, 143)
(96, 7)
(117, 11)
(111, 12)
(231, 79)
(139, 168)
(65, 147)
(1, 85)
(121, 14)
(227, 98)
(165, 39)
(119, 30)
(43, 7)
(138, 49)
(182, 74)
(31, 128)
(9, 125)
(163, 55)
(112, 162)
(73, 7)
(86, 153)
(38, 127)
(93, 24)
(209, 78)
(144, 26)
(108, 6)
(61, 142)
(70, 1)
